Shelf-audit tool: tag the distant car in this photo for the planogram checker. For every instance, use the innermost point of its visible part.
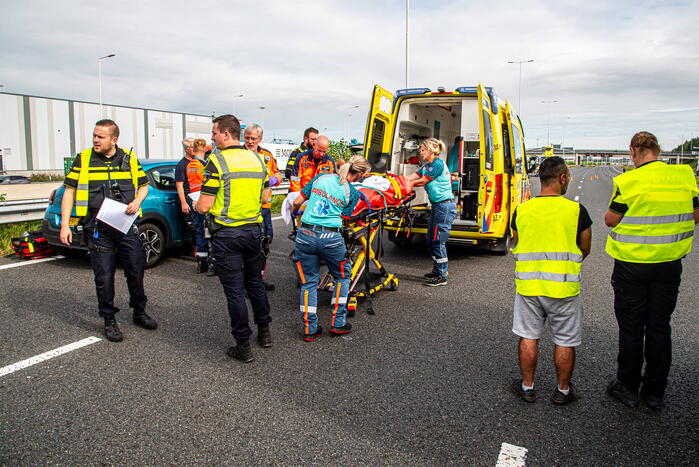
(162, 225)
(13, 179)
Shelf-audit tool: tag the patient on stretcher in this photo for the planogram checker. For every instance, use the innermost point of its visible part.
(382, 191)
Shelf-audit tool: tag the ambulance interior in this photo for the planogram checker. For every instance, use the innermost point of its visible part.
(455, 122)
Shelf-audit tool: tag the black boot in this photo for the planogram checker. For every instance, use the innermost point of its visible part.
(140, 318)
(241, 351)
(202, 265)
(268, 285)
(111, 329)
(264, 336)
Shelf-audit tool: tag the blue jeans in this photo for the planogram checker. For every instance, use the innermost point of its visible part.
(200, 243)
(438, 229)
(312, 246)
(267, 221)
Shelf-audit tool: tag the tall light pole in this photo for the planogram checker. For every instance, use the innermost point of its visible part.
(519, 93)
(349, 123)
(407, 49)
(234, 98)
(548, 121)
(99, 66)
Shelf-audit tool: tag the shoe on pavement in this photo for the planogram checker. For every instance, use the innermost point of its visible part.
(269, 285)
(619, 392)
(431, 275)
(264, 336)
(651, 401)
(202, 264)
(339, 330)
(241, 351)
(558, 398)
(436, 281)
(111, 330)
(527, 396)
(312, 337)
(140, 318)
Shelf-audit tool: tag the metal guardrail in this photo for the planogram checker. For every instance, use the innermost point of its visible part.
(30, 210)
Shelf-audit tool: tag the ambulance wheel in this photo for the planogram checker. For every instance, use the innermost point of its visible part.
(400, 240)
(500, 247)
(153, 243)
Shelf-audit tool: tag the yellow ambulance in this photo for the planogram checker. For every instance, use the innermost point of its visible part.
(485, 149)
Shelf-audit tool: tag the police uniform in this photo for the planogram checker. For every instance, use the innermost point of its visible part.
(319, 238)
(237, 178)
(656, 231)
(96, 177)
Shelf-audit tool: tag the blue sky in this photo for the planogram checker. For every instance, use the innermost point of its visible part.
(613, 67)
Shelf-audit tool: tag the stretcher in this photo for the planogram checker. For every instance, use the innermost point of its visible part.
(382, 195)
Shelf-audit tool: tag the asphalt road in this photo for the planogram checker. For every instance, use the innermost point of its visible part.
(425, 381)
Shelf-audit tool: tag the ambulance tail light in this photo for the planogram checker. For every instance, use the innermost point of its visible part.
(497, 197)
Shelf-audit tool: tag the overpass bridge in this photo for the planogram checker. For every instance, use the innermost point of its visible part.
(611, 156)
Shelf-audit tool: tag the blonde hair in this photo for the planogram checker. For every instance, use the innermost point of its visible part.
(356, 165)
(434, 145)
(199, 143)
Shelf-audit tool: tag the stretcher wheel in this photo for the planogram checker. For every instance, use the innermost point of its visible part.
(394, 284)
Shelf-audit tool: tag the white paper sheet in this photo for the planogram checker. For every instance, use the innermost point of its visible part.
(194, 196)
(113, 213)
(379, 183)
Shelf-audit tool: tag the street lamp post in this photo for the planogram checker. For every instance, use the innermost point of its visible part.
(407, 58)
(262, 108)
(519, 93)
(548, 121)
(234, 98)
(99, 66)
(349, 123)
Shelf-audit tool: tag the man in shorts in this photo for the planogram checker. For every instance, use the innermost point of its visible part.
(552, 236)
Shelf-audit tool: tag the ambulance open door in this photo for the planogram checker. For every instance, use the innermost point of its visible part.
(379, 129)
(487, 187)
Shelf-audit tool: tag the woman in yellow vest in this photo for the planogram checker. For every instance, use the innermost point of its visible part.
(552, 235)
(653, 212)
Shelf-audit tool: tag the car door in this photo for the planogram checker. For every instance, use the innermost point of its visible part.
(163, 201)
(379, 129)
(487, 161)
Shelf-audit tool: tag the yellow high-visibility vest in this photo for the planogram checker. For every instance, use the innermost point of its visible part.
(239, 197)
(659, 225)
(86, 174)
(548, 259)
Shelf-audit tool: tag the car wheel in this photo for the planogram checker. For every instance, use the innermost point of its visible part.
(153, 243)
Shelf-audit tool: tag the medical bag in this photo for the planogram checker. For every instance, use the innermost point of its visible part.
(32, 245)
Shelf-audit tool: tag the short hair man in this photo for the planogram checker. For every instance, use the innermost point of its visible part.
(552, 236)
(252, 139)
(189, 175)
(311, 163)
(234, 179)
(126, 183)
(653, 212)
(310, 135)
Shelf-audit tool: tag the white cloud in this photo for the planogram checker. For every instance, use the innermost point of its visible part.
(612, 66)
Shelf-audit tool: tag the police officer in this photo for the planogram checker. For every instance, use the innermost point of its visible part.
(234, 181)
(107, 171)
(653, 212)
(310, 135)
(331, 197)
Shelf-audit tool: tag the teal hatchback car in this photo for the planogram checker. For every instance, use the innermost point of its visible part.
(162, 225)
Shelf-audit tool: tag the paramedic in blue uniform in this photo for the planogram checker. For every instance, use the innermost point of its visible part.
(435, 177)
(331, 198)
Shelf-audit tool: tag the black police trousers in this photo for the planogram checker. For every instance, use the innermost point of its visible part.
(236, 255)
(105, 243)
(645, 296)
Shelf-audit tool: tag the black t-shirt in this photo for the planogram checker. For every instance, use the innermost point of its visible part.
(584, 220)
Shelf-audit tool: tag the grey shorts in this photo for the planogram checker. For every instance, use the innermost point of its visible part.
(564, 316)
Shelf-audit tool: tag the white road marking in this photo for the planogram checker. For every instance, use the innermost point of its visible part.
(277, 218)
(32, 261)
(577, 198)
(579, 187)
(47, 355)
(511, 456)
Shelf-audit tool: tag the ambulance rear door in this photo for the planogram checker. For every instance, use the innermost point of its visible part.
(519, 177)
(486, 191)
(379, 130)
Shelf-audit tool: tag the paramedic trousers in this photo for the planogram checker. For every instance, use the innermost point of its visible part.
(267, 221)
(438, 229)
(236, 254)
(312, 245)
(105, 243)
(645, 296)
(200, 243)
